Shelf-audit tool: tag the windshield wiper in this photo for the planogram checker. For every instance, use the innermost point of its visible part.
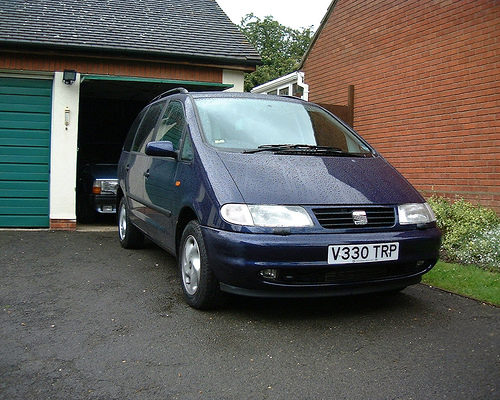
(268, 147)
(303, 149)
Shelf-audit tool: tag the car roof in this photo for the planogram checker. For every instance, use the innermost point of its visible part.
(181, 92)
(197, 95)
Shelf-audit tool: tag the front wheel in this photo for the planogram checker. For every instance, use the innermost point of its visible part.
(130, 237)
(200, 287)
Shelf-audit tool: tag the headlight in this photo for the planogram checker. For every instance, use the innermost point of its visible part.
(105, 185)
(415, 213)
(266, 215)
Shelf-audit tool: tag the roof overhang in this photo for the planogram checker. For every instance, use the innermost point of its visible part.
(293, 77)
(233, 62)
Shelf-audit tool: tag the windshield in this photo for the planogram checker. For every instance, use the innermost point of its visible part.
(243, 124)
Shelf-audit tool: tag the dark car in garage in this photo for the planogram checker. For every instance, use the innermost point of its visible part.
(96, 191)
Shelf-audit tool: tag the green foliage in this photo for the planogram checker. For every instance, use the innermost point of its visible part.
(280, 47)
(482, 249)
(471, 234)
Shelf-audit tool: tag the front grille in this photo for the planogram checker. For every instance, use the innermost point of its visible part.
(349, 273)
(341, 217)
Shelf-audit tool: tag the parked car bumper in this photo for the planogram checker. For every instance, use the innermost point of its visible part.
(300, 260)
(103, 203)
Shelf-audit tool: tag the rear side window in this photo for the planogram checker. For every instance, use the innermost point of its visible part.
(146, 129)
(172, 124)
(131, 132)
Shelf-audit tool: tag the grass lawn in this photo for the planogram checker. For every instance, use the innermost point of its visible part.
(466, 280)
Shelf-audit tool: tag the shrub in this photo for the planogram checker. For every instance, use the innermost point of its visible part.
(482, 249)
(471, 234)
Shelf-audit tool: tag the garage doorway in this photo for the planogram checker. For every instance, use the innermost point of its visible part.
(108, 106)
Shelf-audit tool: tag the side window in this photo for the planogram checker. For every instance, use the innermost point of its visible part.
(172, 124)
(131, 132)
(187, 149)
(147, 127)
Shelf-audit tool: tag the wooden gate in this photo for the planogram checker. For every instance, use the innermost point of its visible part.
(345, 113)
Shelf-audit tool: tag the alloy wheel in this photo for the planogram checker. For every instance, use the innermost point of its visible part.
(191, 265)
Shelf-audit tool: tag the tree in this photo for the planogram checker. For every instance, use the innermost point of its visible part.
(281, 48)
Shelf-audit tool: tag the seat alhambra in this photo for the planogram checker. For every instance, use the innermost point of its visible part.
(269, 196)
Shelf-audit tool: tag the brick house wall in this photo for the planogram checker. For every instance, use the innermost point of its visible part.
(427, 87)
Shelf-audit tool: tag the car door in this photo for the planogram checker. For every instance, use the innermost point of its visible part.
(138, 166)
(161, 188)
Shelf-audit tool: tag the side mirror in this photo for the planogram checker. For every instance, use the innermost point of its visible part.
(161, 149)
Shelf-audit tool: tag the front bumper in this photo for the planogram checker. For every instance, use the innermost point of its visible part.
(301, 261)
(103, 203)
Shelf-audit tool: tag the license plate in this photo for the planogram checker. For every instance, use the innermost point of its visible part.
(362, 253)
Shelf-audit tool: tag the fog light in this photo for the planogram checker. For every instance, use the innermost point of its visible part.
(420, 263)
(269, 273)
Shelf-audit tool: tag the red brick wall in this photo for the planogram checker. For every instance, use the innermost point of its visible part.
(427, 87)
(63, 224)
(102, 66)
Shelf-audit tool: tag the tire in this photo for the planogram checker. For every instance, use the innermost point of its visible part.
(199, 284)
(130, 237)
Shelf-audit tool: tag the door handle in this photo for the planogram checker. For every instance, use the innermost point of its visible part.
(127, 167)
(146, 174)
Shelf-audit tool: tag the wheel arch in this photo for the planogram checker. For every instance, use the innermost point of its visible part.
(119, 195)
(187, 214)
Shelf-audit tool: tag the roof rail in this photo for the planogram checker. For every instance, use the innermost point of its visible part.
(168, 92)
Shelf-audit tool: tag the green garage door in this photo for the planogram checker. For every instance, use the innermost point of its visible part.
(25, 106)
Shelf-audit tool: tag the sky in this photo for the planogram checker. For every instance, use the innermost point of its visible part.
(293, 14)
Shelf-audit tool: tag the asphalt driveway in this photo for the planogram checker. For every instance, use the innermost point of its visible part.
(81, 318)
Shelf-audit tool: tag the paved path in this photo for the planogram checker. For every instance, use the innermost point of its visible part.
(81, 318)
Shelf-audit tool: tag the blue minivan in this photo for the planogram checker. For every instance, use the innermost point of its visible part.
(268, 196)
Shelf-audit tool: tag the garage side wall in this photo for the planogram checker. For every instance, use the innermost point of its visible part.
(235, 78)
(64, 139)
(427, 81)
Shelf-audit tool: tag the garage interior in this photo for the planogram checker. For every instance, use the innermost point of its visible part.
(108, 106)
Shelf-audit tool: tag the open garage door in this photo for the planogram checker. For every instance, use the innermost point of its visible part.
(108, 106)
(25, 118)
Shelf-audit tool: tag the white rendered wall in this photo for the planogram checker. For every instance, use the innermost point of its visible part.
(236, 78)
(63, 149)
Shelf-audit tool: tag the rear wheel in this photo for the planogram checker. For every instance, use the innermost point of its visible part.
(200, 287)
(130, 237)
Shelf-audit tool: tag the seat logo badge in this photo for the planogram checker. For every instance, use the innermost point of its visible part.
(359, 218)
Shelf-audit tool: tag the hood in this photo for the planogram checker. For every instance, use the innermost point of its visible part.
(266, 178)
